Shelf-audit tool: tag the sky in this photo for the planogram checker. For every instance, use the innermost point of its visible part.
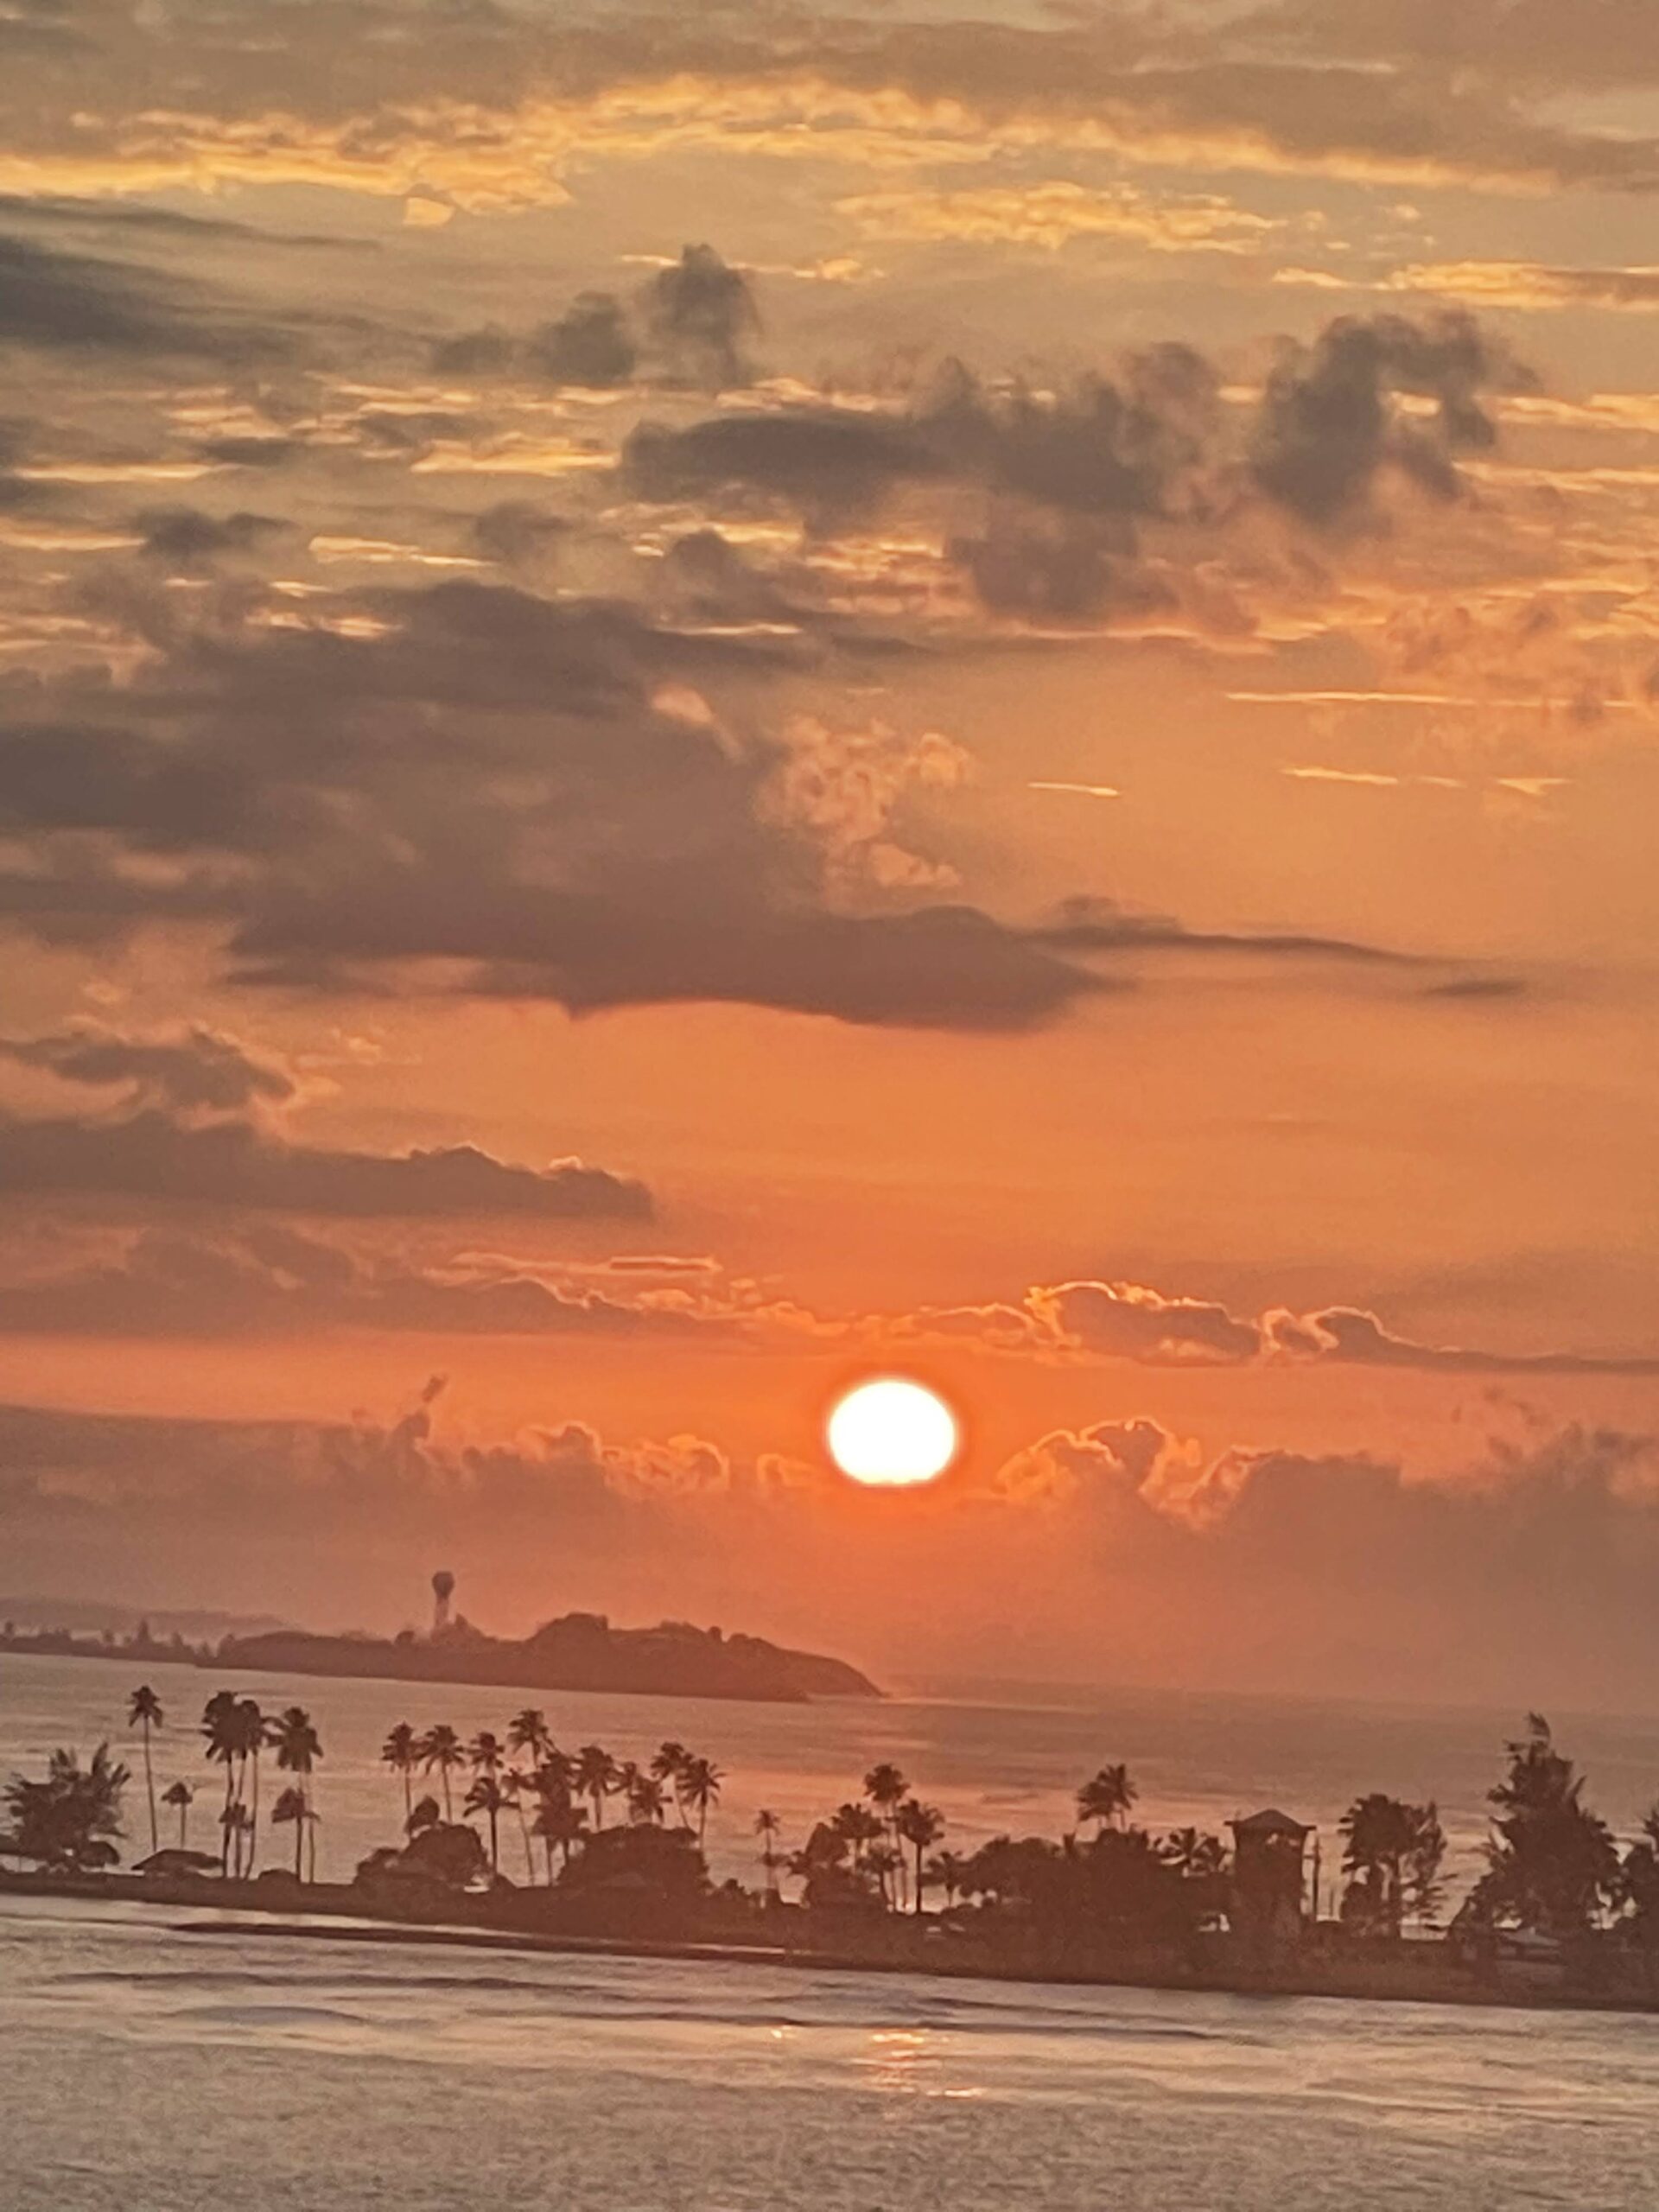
(698, 701)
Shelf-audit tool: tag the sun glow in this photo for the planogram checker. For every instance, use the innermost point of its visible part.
(891, 1433)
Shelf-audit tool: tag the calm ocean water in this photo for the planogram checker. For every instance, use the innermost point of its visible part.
(143, 2069)
(147, 2069)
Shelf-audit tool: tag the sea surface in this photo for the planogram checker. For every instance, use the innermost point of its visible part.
(997, 1760)
(148, 2065)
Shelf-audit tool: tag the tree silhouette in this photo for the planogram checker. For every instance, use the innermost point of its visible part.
(401, 1752)
(700, 1786)
(68, 1822)
(1551, 1864)
(182, 1796)
(597, 1775)
(487, 1796)
(441, 1748)
(144, 1711)
(1107, 1797)
(921, 1826)
(1394, 1852)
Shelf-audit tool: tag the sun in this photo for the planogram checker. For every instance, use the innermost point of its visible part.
(891, 1433)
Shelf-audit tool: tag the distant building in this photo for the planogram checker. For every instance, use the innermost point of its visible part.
(1269, 1911)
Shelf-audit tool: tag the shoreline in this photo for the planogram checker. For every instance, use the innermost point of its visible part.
(339, 1918)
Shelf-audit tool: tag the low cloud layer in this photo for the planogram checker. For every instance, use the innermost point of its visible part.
(198, 1119)
(1116, 1551)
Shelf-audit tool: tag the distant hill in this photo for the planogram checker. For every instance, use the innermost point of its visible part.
(582, 1651)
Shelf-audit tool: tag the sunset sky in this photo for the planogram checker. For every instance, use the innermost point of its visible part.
(695, 703)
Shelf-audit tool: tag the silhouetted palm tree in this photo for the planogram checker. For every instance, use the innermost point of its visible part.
(144, 1711)
(516, 1785)
(528, 1732)
(559, 1822)
(291, 1806)
(221, 1729)
(485, 1754)
(647, 1799)
(1193, 1855)
(487, 1796)
(182, 1796)
(667, 1764)
(886, 1790)
(769, 1827)
(401, 1752)
(945, 1871)
(597, 1775)
(441, 1748)
(700, 1786)
(885, 1861)
(857, 1826)
(251, 1724)
(921, 1826)
(298, 1748)
(1107, 1797)
(238, 1823)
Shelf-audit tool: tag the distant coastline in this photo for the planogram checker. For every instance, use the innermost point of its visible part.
(579, 1651)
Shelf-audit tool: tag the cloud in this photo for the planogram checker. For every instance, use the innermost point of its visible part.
(185, 540)
(486, 113)
(195, 1125)
(1526, 1573)
(274, 1280)
(1131, 1321)
(1054, 212)
(1330, 423)
(700, 310)
(78, 304)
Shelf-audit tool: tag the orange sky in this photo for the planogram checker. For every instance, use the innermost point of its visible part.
(692, 704)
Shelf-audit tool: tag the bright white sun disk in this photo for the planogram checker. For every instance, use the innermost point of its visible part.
(893, 1432)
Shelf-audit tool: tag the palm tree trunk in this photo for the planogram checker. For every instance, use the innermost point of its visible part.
(150, 1787)
(918, 1878)
(184, 1811)
(409, 1797)
(299, 1847)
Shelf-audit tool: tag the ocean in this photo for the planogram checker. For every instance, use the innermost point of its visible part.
(149, 2066)
(143, 2069)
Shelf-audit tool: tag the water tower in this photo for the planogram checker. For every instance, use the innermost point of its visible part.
(444, 1588)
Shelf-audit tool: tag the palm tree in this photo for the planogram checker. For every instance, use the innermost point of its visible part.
(515, 1785)
(1193, 1855)
(700, 1786)
(1393, 1852)
(401, 1752)
(528, 1732)
(486, 1753)
(597, 1774)
(298, 1748)
(222, 1730)
(1107, 1798)
(769, 1827)
(885, 1860)
(561, 1820)
(857, 1826)
(886, 1790)
(238, 1823)
(945, 1871)
(647, 1799)
(251, 1728)
(921, 1826)
(487, 1796)
(180, 1794)
(668, 1764)
(144, 1711)
(291, 1806)
(440, 1747)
